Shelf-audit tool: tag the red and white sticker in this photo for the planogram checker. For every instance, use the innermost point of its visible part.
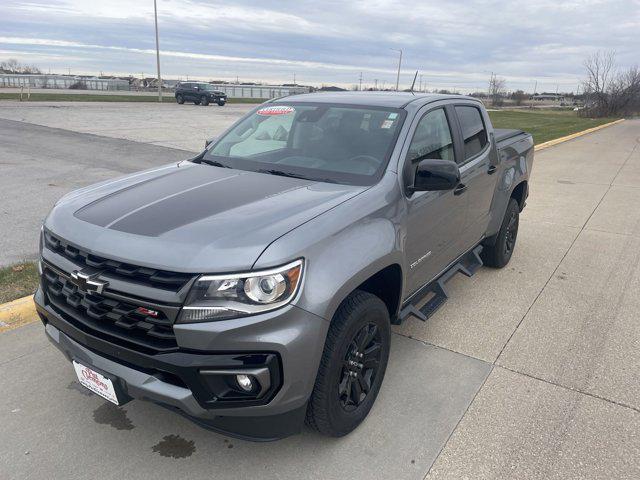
(276, 110)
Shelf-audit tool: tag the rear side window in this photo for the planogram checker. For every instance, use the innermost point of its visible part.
(432, 138)
(473, 130)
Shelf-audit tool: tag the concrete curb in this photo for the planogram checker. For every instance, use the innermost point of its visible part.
(17, 313)
(556, 141)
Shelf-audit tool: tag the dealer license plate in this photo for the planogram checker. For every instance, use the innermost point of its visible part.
(97, 383)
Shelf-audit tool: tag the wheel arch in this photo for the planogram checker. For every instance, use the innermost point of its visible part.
(520, 193)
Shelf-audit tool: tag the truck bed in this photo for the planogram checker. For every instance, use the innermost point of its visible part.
(505, 136)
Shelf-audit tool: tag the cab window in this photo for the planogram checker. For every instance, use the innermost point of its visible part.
(473, 130)
(432, 138)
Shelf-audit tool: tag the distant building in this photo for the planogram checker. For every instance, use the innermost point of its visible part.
(331, 88)
(82, 82)
(259, 91)
(548, 97)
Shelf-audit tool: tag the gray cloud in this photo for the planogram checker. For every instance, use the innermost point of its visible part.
(454, 44)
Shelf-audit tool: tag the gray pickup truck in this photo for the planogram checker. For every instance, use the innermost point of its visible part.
(253, 287)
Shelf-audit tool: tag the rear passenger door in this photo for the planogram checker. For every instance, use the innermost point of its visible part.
(435, 219)
(477, 170)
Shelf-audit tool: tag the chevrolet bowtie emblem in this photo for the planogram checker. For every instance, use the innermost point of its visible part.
(87, 283)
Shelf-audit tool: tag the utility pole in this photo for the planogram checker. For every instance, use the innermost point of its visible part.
(294, 78)
(360, 89)
(375, 84)
(420, 89)
(399, 66)
(155, 14)
(535, 88)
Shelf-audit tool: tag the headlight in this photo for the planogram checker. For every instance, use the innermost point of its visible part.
(221, 297)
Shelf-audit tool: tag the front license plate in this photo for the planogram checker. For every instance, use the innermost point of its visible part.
(97, 383)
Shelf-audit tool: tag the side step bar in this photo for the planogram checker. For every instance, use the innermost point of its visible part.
(468, 264)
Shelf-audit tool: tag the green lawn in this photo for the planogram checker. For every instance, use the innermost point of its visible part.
(18, 281)
(89, 97)
(545, 125)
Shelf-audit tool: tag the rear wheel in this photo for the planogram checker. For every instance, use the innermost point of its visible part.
(499, 254)
(179, 99)
(204, 100)
(352, 367)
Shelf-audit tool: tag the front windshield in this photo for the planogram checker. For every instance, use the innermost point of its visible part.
(323, 142)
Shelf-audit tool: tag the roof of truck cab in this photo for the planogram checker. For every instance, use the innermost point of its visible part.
(373, 99)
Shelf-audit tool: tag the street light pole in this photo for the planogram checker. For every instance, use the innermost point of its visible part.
(155, 12)
(399, 65)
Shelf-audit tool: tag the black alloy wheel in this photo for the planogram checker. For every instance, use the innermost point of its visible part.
(360, 367)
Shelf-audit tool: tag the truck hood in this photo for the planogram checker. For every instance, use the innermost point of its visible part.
(190, 217)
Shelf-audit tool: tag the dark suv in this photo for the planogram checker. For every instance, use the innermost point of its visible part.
(199, 93)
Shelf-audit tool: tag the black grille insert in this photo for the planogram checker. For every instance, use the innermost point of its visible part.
(100, 315)
(148, 276)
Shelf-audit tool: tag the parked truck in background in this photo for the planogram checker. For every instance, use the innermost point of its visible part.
(254, 286)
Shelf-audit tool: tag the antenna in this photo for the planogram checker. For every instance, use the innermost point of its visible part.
(414, 82)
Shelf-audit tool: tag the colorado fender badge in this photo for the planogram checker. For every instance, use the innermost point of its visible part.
(276, 110)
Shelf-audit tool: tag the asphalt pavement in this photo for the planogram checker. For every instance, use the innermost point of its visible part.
(527, 372)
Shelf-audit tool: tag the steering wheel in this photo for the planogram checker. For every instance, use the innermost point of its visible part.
(370, 160)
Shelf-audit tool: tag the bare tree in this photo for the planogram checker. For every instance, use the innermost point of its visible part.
(497, 88)
(607, 91)
(600, 68)
(624, 92)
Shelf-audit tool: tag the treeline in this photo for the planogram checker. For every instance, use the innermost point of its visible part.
(608, 90)
(14, 66)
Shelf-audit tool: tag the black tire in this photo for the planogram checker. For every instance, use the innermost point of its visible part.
(359, 337)
(221, 103)
(179, 99)
(196, 102)
(204, 100)
(498, 254)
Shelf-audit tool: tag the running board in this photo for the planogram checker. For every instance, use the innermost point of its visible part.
(468, 264)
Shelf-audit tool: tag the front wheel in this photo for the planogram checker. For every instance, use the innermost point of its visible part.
(352, 367)
(499, 254)
(221, 103)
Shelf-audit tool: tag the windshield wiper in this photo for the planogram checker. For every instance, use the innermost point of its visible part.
(295, 175)
(214, 163)
(283, 173)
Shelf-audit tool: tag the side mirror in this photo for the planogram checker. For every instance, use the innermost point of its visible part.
(209, 141)
(434, 174)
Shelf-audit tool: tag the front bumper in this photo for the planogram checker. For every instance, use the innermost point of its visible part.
(289, 341)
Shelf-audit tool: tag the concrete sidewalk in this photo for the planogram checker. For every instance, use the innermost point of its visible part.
(563, 400)
(527, 372)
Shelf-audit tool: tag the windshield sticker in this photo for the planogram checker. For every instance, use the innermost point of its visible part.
(276, 110)
(386, 124)
(392, 116)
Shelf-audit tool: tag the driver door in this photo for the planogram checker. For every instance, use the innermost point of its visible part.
(435, 219)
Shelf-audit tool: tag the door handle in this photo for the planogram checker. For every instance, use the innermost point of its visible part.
(492, 169)
(460, 189)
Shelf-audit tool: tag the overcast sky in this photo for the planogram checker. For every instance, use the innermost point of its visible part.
(454, 44)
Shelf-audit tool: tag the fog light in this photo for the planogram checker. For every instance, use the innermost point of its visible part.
(245, 383)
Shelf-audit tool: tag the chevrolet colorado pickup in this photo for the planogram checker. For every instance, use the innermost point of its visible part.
(253, 287)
